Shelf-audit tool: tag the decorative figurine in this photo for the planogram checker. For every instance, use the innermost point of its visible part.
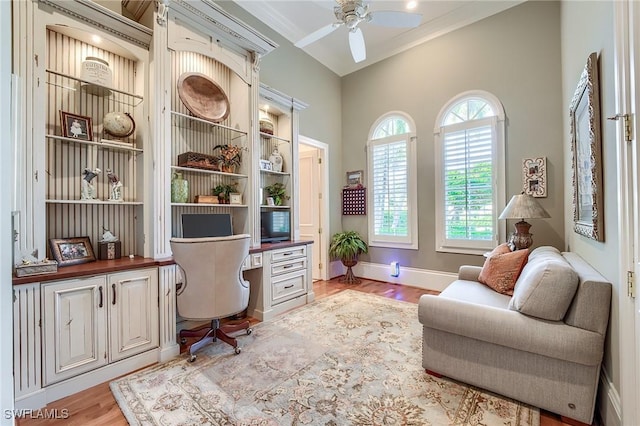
(116, 187)
(109, 247)
(108, 236)
(88, 191)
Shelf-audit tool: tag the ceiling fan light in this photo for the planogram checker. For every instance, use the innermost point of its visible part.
(412, 4)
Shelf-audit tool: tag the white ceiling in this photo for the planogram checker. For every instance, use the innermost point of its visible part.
(294, 19)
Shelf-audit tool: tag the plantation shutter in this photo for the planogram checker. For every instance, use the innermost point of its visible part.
(468, 188)
(390, 186)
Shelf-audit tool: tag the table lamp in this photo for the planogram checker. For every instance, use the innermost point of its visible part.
(523, 206)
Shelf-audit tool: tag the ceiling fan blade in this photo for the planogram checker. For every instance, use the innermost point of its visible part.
(317, 34)
(391, 18)
(356, 43)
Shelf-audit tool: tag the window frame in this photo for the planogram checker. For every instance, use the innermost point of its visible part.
(497, 121)
(411, 240)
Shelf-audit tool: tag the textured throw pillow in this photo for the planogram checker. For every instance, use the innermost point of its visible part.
(545, 289)
(501, 271)
(501, 249)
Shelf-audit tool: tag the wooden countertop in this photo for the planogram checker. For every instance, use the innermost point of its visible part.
(125, 263)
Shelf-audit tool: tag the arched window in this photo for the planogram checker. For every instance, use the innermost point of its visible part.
(391, 159)
(469, 145)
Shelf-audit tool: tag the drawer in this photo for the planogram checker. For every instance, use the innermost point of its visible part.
(252, 261)
(288, 253)
(288, 286)
(292, 265)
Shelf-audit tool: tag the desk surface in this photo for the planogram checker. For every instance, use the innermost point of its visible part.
(125, 263)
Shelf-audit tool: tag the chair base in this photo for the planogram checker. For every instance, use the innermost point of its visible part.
(212, 333)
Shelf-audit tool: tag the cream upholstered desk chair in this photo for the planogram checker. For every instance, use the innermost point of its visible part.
(212, 286)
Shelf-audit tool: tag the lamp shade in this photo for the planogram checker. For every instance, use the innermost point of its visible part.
(524, 206)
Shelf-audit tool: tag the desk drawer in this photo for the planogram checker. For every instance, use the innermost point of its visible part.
(288, 253)
(289, 266)
(288, 286)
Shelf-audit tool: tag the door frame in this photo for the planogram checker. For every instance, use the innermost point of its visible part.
(323, 154)
(626, 42)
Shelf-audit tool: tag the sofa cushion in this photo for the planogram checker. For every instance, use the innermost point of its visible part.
(545, 287)
(500, 271)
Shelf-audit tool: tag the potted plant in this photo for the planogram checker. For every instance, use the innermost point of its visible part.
(277, 191)
(347, 246)
(230, 157)
(223, 191)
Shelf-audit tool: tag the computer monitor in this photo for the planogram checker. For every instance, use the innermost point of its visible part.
(197, 225)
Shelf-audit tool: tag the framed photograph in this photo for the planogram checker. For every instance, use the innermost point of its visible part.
(266, 165)
(355, 179)
(586, 149)
(235, 198)
(71, 251)
(534, 176)
(270, 201)
(76, 126)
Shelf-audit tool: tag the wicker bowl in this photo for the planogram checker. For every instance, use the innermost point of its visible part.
(203, 97)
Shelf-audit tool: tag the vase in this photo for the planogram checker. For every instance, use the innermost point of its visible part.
(231, 168)
(179, 189)
(276, 160)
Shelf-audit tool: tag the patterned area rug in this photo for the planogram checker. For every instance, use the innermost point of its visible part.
(348, 359)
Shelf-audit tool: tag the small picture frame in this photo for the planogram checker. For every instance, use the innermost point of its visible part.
(534, 176)
(72, 251)
(355, 179)
(76, 126)
(266, 165)
(235, 198)
(270, 201)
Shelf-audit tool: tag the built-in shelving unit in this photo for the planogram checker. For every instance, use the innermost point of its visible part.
(67, 210)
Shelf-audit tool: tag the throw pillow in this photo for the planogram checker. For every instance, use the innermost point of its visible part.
(501, 249)
(501, 271)
(545, 289)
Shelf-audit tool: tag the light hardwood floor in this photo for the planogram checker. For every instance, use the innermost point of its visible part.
(97, 406)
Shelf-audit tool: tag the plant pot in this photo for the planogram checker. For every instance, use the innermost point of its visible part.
(349, 277)
(228, 169)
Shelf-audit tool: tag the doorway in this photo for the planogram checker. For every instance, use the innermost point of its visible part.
(314, 217)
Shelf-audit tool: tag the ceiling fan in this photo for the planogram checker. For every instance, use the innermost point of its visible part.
(350, 13)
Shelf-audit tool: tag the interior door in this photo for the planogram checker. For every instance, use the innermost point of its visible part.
(633, 19)
(627, 59)
(310, 203)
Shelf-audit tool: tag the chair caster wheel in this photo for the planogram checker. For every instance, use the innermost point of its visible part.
(192, 358)
(183, 340)
(238, 350)
(249, 331)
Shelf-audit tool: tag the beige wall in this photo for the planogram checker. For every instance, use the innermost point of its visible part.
(516, 56)
(588, 27)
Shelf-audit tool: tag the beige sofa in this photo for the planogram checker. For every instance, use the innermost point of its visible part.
(542, 346)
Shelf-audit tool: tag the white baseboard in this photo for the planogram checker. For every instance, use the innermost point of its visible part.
(609, 405)
(168, 353)
(421, 278)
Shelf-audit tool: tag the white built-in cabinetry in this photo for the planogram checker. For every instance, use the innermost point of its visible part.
(284, 281)
(77, 329)
(282, 112)
(93, 321)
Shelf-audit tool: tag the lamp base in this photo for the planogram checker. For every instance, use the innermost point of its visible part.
(521, 238)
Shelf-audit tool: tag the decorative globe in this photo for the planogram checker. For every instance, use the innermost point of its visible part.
(119, 124)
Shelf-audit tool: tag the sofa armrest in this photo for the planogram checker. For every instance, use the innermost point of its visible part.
(512, 329)
(469, 273)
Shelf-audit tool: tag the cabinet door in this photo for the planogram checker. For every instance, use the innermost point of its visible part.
(74, 318)
(133, 308)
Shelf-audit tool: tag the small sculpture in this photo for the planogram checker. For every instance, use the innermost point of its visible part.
(107, 236)
(88, 191)
(116, 187)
